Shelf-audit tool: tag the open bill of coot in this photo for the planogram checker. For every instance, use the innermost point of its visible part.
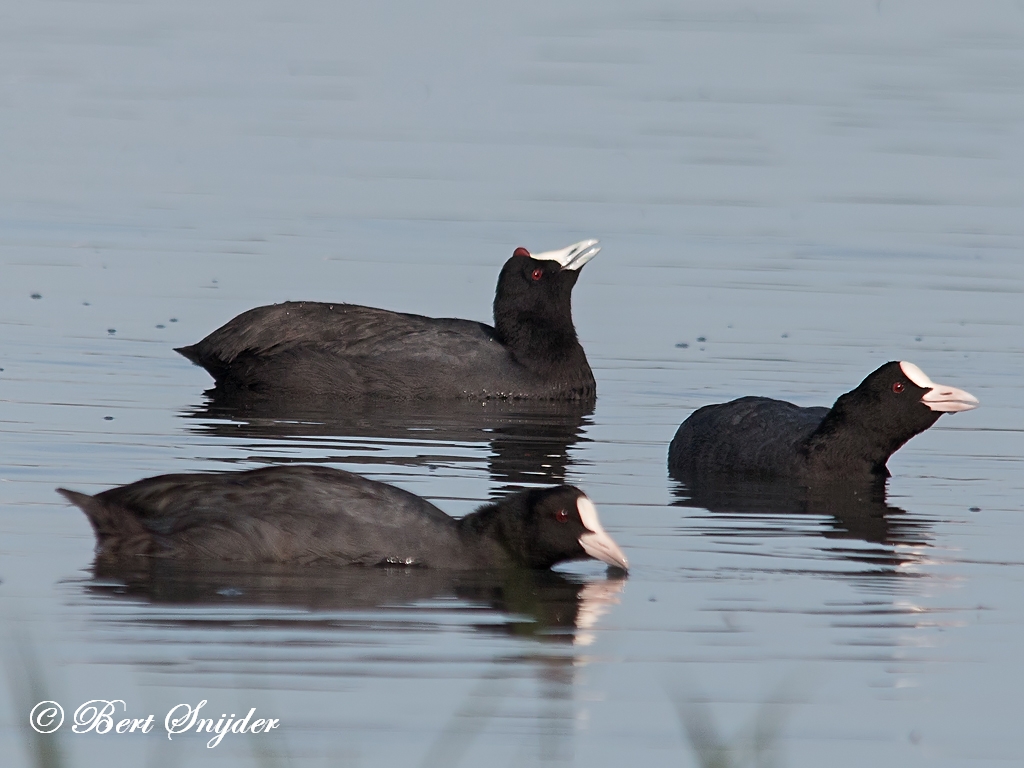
(310, 351)
(761, 437)
(306, 514)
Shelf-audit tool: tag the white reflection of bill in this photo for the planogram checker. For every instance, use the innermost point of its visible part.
(595, 600)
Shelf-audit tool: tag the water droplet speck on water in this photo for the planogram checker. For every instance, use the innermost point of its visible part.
(111, 331)
(174, 319)
(161, 325)
(230, 592)
(682, 345)
(86, 304)
(972, 509)
(108, 418)
(701, 338)
(917, 338)
(37, 295)
(785, 335)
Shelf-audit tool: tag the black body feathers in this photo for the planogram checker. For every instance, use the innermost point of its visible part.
(306, 351)
(307, 514)
(770, 439)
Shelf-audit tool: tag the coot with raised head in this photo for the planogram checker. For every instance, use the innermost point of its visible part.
(306, 514)
(761, 437)
(309, 351)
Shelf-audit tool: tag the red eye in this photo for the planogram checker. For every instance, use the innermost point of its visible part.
(898, 387)
(537, 274)
(561, 516)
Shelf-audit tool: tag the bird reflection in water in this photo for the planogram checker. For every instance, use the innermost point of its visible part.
(530, 442)
(853, 511)
(543, 605)
(332, 622)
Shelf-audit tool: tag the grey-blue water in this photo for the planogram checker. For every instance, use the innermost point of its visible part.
(787, 194)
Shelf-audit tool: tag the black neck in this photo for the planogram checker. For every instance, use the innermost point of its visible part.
(490, 524)
(847, 443)
(539, 342)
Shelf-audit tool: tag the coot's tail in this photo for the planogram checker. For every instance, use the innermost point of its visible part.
(118, 531)
(202, 354)
(191, 353)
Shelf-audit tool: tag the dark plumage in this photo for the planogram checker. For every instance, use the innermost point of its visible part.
(302, 351)
(760, 437)
(306, 514)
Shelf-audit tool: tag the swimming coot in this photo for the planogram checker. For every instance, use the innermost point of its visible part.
(306, 514)
(761, 437)
(299, 351)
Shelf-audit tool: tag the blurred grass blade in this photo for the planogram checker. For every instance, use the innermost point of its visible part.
(28, 687)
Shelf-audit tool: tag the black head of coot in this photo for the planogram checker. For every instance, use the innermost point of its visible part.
(900, 398)
(542, 527)
(534, 293)
(893, 404)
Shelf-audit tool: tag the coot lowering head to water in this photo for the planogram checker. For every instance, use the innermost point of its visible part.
(305, 514)
(308, 351)
(760, 437)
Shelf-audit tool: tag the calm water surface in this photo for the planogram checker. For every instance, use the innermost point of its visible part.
(787, 196)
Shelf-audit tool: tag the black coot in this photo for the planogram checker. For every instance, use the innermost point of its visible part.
(300, 351)
(760, 437)
(307, 514)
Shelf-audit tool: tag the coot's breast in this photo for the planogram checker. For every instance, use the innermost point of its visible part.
(754, 436)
